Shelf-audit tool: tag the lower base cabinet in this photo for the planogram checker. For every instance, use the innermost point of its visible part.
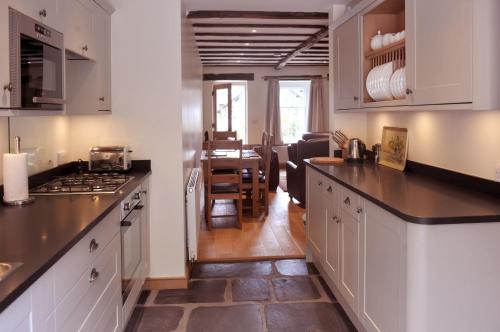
(349, 258)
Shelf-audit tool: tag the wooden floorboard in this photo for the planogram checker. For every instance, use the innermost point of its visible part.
(280, 235)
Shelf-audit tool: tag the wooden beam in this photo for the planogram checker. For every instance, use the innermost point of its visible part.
(311, 41)
(257, 25)
(324, 53)
(259, 65)
(258, 14)
(248, 34)
(259, 41)
(229, 77)
(293, 77)
(232, 47)
(234, 56)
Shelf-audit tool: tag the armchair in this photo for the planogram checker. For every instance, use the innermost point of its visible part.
(295, 168)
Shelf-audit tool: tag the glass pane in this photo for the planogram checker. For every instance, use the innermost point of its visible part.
(294, 106)
(221, 107)
(238, 94)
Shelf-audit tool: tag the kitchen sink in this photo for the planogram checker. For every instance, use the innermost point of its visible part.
(8, 268)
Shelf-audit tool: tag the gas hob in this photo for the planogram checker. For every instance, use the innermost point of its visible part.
(84, 183)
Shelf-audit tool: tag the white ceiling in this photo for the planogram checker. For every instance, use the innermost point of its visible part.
(264, 5)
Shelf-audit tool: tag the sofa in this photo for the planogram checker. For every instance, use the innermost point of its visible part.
(314, 146)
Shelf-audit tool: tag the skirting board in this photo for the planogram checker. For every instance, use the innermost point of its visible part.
(180, 282)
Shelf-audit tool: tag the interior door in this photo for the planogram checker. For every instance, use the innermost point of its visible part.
(222, 108)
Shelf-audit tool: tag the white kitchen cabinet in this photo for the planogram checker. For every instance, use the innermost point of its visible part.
(46, 11)
(439, 51)
(332, 246)
(78, 27)
(346, 53)
(316, 213)
(88, 82)
(349, 258)
(17, 317)
(145, 228)
(383, 252)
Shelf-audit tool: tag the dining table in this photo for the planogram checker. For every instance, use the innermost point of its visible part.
(250, 160)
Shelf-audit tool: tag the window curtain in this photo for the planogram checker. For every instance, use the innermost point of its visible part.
(273, 117)
(317, 116)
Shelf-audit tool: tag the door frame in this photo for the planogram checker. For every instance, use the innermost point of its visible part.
(229, 105)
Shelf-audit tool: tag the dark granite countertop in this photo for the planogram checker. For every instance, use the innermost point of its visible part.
(39, 234)
(415, 197)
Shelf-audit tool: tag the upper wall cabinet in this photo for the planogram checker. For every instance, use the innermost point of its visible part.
(88, 82)
(78, 27)
(429, 55)
(346, 65)
(439, 51)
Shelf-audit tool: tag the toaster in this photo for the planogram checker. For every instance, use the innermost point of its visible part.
(110, 158)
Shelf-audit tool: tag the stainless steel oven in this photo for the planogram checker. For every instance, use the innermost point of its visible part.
(131, 238)
(36, 64)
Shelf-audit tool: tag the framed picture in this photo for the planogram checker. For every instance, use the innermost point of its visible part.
(394, 147)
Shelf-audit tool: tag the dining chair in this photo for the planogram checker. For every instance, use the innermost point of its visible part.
(224, 176)
(224, 135)
(266, 153)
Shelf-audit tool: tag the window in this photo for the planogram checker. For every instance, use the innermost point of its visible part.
(294, 106)
(234, 118)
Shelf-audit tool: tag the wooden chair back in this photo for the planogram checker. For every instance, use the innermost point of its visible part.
(224, 135)
(231, 161)
(267, 152)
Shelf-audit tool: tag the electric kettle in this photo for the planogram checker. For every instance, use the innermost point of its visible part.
(355, 149)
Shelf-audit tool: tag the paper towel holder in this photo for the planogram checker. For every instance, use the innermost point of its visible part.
(30, 199)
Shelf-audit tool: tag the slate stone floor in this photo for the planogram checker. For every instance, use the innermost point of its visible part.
(283, 295)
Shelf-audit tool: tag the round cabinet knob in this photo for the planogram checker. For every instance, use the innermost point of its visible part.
(330, 189)
(42, 13)
(94, 275)
(409, 91)
(8, 87)
(144, 192)
(359, 210)
(85, 48)
(320, 183)
(347, 201)
(101, 99)
(126, 206)
(93, 246)
(339, 220)
(355, 98)
(137, 195)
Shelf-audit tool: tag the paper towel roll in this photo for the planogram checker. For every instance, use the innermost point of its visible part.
(15, 177)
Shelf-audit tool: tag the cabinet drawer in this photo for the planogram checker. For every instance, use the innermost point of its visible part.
(78, 304)
(111, 317)
(69, 269)
(350, 202)
(329, 190)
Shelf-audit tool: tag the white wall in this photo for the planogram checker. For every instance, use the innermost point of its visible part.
(256, 94)
(147, 104)
(463, 141)
(192, 99)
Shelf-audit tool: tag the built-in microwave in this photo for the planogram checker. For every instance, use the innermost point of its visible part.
(36, 64)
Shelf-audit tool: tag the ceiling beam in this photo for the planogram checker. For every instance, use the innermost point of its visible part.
(257, 25)
(324, 53)
(228, 47)
(246, 34)
(257, 14)
(311, 41)
(263, 41)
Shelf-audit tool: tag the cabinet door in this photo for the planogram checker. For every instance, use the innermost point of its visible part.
(349, 257)
(346, 55)
(382, 301)
(145, 228)
(45, 11)
(4, 54)
(316, 214)
(78, 27)
(88, 83)
(439, 51)
(332, 247)
(17, 317)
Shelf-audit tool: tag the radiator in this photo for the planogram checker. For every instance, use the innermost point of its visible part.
(195, 206)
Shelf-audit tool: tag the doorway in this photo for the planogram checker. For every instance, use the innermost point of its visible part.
(229, 110)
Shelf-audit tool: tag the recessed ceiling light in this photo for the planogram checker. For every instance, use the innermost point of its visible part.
(254, 30)
(247, 44)
(238, 61)
(242, 53)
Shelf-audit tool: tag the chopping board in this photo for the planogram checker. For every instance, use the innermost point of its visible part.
(327, 161)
